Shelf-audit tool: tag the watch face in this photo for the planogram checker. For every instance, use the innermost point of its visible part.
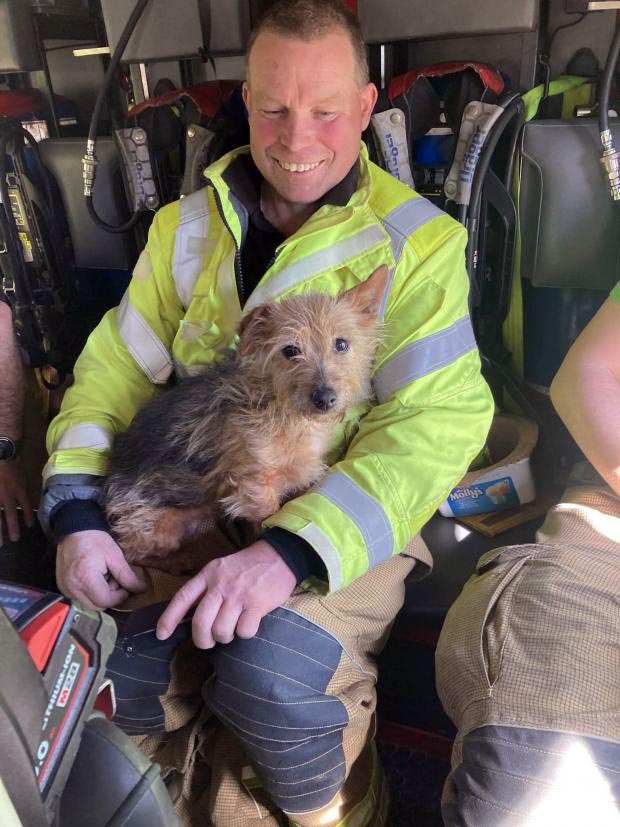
(7, 448)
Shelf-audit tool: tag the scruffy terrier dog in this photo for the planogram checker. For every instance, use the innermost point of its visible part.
(251, 431)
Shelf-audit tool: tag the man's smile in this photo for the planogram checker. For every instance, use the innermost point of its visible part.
(297, 168)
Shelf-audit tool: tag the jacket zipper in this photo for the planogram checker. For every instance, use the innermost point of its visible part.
(238, 268)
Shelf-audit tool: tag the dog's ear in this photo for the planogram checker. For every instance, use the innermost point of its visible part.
(368, 295)
(250, 327)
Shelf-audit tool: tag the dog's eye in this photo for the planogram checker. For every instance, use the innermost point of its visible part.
(341, 345)
(290, 351)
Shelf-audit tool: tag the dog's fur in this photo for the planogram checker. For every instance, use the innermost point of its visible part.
(249, 432)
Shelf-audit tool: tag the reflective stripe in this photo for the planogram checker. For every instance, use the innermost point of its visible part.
(423, 357)
(328, 259)
(326, 550)
(85, 435)
(145, 347)
(364, 511)
(400, 224)
(191, 243)
(406, 219)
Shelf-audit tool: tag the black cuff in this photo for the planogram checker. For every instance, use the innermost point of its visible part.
(77, 515)
(297, 553)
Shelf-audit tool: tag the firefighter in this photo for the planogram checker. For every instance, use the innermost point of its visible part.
(301, 209)
(528, 660)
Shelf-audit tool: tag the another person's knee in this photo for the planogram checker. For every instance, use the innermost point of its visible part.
(515, 775)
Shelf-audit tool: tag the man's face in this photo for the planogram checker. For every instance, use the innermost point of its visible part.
(307, 113)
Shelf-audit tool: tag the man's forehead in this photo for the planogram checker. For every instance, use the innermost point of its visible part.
(274, 56)
(267, 96)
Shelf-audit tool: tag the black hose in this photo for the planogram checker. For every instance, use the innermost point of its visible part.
(94, 121)
(515, 109)
(606, 80)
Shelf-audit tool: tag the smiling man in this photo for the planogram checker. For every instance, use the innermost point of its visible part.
(301, 613)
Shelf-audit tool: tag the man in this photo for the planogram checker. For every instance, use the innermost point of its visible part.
(528, 660)
(303, 210)
(13, 494)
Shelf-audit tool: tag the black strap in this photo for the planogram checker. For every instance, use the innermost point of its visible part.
(22, 706)
(204, 13)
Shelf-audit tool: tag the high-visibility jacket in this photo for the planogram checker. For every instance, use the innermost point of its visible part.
(396, 459)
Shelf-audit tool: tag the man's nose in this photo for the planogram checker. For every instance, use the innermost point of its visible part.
(296, 133)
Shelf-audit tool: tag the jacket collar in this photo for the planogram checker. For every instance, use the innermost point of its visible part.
(235, 213)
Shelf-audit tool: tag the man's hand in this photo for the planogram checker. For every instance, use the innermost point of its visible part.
(13, 496)
(233, 594)
(91, 568)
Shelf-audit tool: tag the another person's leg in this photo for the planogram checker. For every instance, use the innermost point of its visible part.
(528, 668)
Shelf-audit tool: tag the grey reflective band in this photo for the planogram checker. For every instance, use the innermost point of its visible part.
(326, 550)
(364, 511)
(61, 488)
(406, 219)
(143, 344)
(400, 224)
(86, 435)
(190, 243)
(423, 357)
(328, 259)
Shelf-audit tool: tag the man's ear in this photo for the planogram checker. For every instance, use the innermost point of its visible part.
(251, 326)
(245, 94)
(368, 99)
(368, 296)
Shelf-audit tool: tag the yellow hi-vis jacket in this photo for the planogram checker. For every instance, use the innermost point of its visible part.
(398, 458)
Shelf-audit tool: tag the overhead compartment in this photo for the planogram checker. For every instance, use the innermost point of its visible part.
(420, 20)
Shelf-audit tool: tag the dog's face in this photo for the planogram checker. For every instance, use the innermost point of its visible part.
(315, 351)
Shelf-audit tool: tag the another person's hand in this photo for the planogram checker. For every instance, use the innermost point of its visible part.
(12, 497)
(91, 568)
(233, 594)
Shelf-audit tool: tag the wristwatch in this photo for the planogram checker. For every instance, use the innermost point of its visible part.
(9, 448)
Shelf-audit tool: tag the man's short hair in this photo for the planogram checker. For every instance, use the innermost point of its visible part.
(310, 20)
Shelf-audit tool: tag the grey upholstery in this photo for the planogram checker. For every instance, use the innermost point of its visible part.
(570, 227)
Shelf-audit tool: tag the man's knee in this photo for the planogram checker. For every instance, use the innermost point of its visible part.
(511, 776)
(270, 691)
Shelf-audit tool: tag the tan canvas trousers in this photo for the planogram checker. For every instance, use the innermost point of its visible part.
(285, 733)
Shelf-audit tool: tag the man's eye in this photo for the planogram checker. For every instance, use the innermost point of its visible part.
(290, 351)
(272, 113)
(341, 345)
(326, 116)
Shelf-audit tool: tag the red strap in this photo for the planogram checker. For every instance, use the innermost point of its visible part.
(208, 97)
(352, 4)
(41, 635)
(15, 104)
(489, 75)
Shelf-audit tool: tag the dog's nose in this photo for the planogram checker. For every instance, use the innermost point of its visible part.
(324, 398)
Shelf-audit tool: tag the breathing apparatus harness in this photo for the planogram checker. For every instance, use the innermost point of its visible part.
(89, 162)
(32, 260)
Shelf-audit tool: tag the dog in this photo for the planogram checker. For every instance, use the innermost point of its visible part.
(251, 431)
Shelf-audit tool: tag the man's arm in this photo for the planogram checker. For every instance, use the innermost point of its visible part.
(586, 392)
(12, 488)
(432, 419)
(126, 359)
